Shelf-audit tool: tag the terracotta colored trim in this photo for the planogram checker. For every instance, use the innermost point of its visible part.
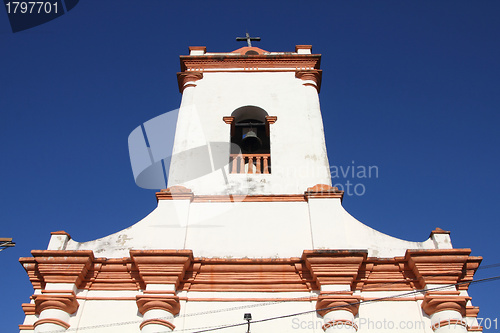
(444, 323)
(471, 267)
(58, 266)
(28, 308)
(248, 299)
(471, 311)
(186, 79)
(245, 49)
(436, 301)
(315, 268)
(302, 47)
(250, 70)
(236, 261)
(310, 75)
(439, 231)
(198, 48)
(227, 286)
(256, 62)
(437, 266)
(157, 322)
(63, 302)
(323, 191)
(51, 321)
(61, 232)
(26, 327)
(103, 298)
(30, 266)
(339, 301)
(250, 198)
(230, 121)
(474, 328)
(175, 193)
(339, 322)
(334, 266)
(162, 266)
(161, 292)
(269, 121)
(395, 299)
(168, 303)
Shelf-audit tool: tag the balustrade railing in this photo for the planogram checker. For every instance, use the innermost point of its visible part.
(250, 163)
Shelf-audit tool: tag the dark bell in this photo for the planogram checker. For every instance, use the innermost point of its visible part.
(250, 142)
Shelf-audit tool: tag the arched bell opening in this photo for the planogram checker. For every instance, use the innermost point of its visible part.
(250, 133)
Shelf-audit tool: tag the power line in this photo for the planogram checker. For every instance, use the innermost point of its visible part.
(360, 302)
(214, 328)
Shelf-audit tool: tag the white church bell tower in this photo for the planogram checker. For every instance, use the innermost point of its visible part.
(249, 230)
(265, 107)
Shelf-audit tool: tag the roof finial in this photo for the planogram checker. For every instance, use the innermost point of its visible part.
(248, 39)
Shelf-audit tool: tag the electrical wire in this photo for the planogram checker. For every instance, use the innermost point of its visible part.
(221, 327)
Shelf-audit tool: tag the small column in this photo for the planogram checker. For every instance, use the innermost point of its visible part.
(334, 272)
(54, 308)
(446, 309)
(162, 271)
(158, 311)
(59, 273)
(338, 311)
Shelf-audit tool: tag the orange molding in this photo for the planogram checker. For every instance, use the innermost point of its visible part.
(61, 232)
(168, 303)
(177, 192)
(230, 121)
(248, 299)
(198, 48)
(334, 266)
(186, 79)
(157, 322)
(444, 323)
(250, 198)
(439, 266)
(302, 47)
(339, 322)
(323, 191)
(51, 321)
(55, 300)
(471, 266)
(444, 300)
(269, 121)
(337, 301)
(474, 328)
(28, 308)
(222, 62)
(26, 327)
(245, 49)
(56, 266)
(308, 273)
(439, 231)
(113, 274)
(471, 311)
(162, 266)
(310, 75)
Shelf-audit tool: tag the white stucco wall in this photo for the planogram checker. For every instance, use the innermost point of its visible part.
(250, 229)
(298, 151)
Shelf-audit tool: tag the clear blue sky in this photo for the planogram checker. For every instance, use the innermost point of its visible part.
(411, 87)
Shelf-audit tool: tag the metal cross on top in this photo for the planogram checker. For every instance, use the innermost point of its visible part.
(248, 39)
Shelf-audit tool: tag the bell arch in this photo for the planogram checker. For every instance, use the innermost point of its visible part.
(251, 134)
